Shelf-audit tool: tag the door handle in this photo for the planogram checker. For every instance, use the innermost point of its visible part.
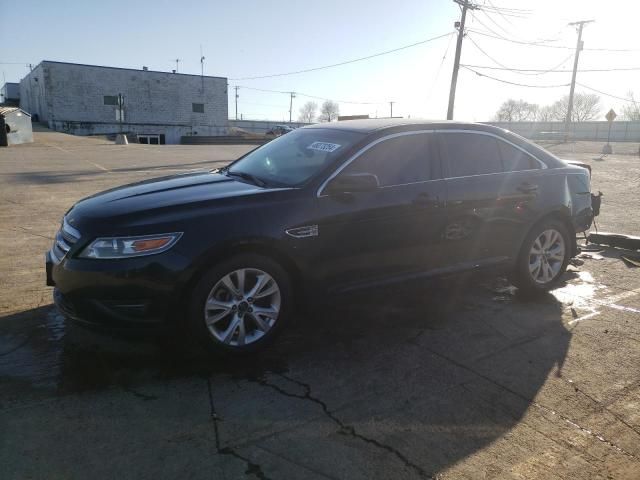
(527, 187)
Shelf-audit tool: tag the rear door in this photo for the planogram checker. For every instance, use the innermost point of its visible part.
(491, 186)
(394, 229)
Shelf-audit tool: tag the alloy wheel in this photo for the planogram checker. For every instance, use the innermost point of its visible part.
(242, 307)
(547, 255)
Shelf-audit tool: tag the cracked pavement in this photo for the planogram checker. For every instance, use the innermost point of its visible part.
(448, 379)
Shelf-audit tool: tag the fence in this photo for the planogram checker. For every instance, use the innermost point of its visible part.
(222, 140)
(261, 126)
(595, 131)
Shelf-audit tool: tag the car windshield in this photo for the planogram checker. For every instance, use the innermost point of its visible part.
(294, 158)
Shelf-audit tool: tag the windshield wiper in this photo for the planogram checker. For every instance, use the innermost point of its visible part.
(247, 176)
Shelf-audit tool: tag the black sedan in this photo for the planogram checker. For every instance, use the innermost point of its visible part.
(332, 207)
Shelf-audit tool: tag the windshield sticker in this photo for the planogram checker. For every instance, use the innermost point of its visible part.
(324, 147)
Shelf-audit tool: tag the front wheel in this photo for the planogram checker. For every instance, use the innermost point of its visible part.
(543, 258)
(239, 305)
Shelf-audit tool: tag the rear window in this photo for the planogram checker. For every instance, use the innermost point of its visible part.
(471, 154)
(515, 159)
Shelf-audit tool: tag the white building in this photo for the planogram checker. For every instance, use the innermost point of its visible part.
(158, 107)
(10, 93)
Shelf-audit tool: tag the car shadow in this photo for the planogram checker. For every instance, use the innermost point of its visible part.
(451, 366)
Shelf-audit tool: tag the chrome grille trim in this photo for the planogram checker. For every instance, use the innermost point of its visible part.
(61, 244)
(70, 233)
(65, 239)
(54, 254)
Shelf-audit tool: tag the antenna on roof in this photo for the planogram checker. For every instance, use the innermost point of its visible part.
(201, 62)
(201, 68)
(177, 60)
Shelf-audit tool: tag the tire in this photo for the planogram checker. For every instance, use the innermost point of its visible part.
(226, 318)
(534, 272)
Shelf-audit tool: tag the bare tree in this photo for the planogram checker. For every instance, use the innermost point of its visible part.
(631, 111)
(557, 111)
(545, 114)
(586, 106)
(329, 111)
(516, 111)
(308, 112)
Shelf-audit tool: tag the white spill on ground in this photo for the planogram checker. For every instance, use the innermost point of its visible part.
(580, 295)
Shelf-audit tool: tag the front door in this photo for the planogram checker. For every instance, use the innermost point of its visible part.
(393, 230)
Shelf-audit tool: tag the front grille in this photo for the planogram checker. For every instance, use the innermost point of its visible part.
(66, 237)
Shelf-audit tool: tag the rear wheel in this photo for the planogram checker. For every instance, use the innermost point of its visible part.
(543, 257)
(240, 305)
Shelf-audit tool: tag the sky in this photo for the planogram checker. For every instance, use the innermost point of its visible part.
(261, 37)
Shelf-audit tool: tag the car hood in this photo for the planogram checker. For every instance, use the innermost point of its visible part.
(161, 197)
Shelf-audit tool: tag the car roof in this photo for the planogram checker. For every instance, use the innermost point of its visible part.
(383, 126)
(377, 124)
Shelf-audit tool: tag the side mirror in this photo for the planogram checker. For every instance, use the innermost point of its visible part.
(352, 182)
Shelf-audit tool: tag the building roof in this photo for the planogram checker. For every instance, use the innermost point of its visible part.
(6, 110)
(129, 69)
(375, 124)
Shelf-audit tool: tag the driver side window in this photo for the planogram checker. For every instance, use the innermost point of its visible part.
(397, 161)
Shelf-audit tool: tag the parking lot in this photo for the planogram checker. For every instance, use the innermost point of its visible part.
(449, 379)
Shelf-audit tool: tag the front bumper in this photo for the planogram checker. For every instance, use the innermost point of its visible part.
(137, 293)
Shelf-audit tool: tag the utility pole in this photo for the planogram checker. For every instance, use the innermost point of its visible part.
(293, 95)
(391, 107)
(579, 46)
(456, 64)
(237, 96)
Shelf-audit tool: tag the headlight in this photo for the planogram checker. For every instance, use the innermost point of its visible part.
(126, 247)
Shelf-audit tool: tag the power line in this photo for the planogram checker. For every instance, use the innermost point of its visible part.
(509, 10)
(538, 44)
(504, 13)
(604, 93)
(379, 54)
(435, 79)
(518, 71)
(519, 42)
(488, 17)
(309, 96)
(498, 11)
(485, 53)
(511, 69)
(483, 24)
(263, 104)
(552, 69)
(499, 35)
(513, 83)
